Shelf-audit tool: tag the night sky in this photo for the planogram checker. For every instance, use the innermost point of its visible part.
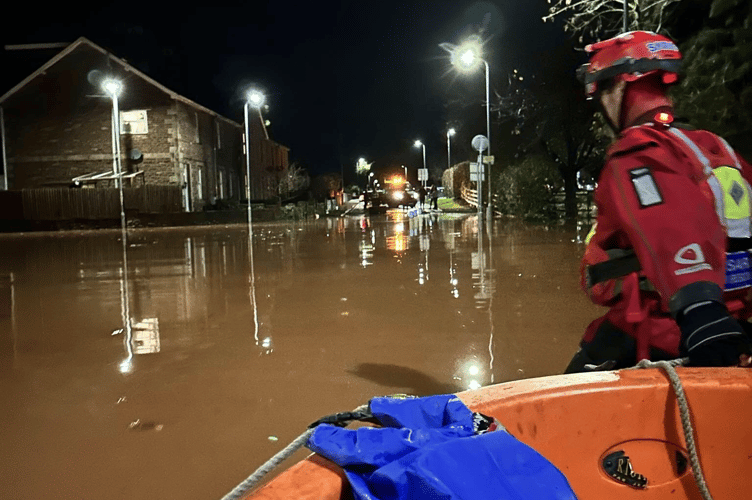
(343, 80)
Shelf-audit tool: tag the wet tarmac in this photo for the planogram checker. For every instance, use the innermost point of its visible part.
(174, 365)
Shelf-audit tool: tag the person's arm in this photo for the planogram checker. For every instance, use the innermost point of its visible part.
(671, 223)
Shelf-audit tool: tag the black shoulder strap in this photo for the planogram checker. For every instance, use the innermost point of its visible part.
(621, 263)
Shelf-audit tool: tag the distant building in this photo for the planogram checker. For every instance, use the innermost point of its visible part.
(57, 131)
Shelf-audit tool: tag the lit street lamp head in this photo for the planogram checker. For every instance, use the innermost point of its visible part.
(418, 143)
(450, 132)
(468, 56)
(112, 86)
(256, 98)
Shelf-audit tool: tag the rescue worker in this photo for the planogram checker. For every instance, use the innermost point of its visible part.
(666, 199)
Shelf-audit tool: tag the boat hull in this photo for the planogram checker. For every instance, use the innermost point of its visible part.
(580, 422)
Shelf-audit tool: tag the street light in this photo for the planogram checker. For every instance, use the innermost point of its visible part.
(467, 58)
(450, 133)
(419, 144)
(113, 88)
(362, 166)
(256, 99)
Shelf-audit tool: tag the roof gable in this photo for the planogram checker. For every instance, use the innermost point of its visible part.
(86, 43)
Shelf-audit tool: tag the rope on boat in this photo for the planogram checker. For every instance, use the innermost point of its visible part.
(686, 418)
(253, 480)
(668, 366)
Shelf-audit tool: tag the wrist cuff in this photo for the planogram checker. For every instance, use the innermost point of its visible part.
(694, 292)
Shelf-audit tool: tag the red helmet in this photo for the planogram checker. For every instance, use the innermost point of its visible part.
(634, 55)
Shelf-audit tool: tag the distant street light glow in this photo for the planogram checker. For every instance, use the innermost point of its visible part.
(419, 144)
(450, 133)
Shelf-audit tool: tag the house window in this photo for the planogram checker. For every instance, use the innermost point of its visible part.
(198, 132)
(200, 184)
(221, 185)
(134, 122)
(219, 141)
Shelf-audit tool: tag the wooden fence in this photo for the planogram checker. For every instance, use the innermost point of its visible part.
(469, 195)
(585, 206)
(58, 204)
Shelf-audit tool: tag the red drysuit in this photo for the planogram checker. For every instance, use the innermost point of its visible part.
(654, 197)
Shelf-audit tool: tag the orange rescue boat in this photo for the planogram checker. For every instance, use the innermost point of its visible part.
(614, 435)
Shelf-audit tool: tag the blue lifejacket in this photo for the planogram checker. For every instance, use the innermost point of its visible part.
(433, 448)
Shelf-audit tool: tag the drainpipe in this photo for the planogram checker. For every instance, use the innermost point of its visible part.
(5, 156)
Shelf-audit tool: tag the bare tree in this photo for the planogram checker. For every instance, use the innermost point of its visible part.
(715, 38)
(549, 115)
(589, 20)
(295, 180)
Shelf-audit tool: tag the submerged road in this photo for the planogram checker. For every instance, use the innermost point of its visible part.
(173, 366)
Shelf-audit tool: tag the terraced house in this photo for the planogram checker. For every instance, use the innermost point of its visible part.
(176, 155)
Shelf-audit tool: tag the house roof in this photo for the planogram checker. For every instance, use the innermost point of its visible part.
(126, 67)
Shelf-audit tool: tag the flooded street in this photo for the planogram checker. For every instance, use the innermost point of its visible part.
(174, 367)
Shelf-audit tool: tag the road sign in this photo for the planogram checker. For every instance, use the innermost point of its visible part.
(488, 160)
(474, 172)
(422, 174)
(480, 143)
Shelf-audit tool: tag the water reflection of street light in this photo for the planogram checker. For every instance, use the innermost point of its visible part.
(256, 99)
(419, 144)
(125, 312)
(467, 58)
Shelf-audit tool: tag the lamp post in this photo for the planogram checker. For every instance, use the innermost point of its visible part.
(419, 144)
(113, 88)
(467, 57)
(450, 133)
(255, 99)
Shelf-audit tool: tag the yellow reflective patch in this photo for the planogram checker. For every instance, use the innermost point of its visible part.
(736, 203)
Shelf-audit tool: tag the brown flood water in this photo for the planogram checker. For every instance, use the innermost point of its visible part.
(229, 354)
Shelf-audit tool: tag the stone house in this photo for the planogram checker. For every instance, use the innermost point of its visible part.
(57, 131)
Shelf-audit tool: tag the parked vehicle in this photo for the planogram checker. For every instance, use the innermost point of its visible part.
(396, 192)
